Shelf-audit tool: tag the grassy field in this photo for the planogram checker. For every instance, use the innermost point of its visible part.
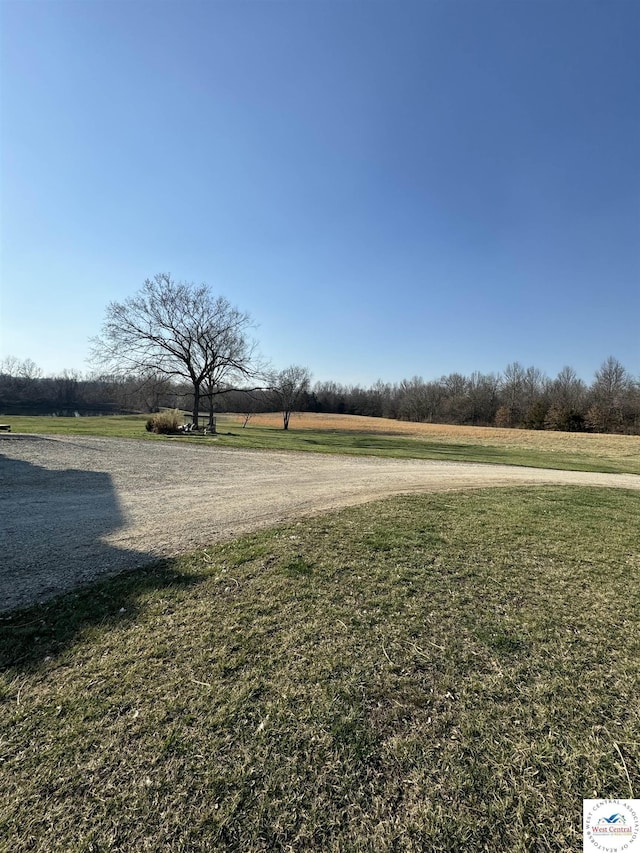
(450, 672)
(351, 434)
(117, 426)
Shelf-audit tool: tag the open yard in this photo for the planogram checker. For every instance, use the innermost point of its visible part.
(75, 508)
(451, 669)
(441, 672)
(361, 436)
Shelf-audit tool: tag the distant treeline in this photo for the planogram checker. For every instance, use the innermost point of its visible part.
(25, 391)
(518, 397)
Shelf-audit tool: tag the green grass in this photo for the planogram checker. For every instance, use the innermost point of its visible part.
(449, 672)
(332, 441)
(395, 446)
(116, 426)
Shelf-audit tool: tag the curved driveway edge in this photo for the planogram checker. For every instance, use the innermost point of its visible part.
(75, 508)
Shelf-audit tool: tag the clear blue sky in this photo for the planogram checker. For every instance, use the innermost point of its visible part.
(389, 188)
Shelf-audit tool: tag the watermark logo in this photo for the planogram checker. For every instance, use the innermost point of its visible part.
(610, 826)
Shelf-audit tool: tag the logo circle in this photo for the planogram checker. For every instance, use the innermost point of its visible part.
(612, 826)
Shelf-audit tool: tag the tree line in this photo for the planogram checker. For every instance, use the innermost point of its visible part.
(517, 397)
(176, 345)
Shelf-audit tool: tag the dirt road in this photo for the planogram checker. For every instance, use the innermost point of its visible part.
(73, 509)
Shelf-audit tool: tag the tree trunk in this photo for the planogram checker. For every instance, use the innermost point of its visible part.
(211, 412)
(196, 405)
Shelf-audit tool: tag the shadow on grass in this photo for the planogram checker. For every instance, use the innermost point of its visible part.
(31, 636)
(402, 446)
(55, 518)
(396, 446)
(367, 443)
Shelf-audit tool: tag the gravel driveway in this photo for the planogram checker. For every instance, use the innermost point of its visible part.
(76, 508)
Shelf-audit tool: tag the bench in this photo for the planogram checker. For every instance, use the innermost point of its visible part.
(5, 427)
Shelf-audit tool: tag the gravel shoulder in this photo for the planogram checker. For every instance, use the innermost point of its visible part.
(75, 508)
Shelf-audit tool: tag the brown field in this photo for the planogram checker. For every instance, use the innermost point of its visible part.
(595, 444)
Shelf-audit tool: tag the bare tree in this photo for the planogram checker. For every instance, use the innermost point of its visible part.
(20, 381)
(250, 404)
(180, 331)
(153, 390)
(610, 391)
(482, 391)
(27, 369)
(230, 354)
(67, 385)
(567, 390)
(512, 390)
(9, 366)
(290, 388)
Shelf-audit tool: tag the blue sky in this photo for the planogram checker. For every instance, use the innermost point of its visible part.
(389, 188)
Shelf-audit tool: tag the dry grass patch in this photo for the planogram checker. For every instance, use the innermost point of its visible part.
(592, 444)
